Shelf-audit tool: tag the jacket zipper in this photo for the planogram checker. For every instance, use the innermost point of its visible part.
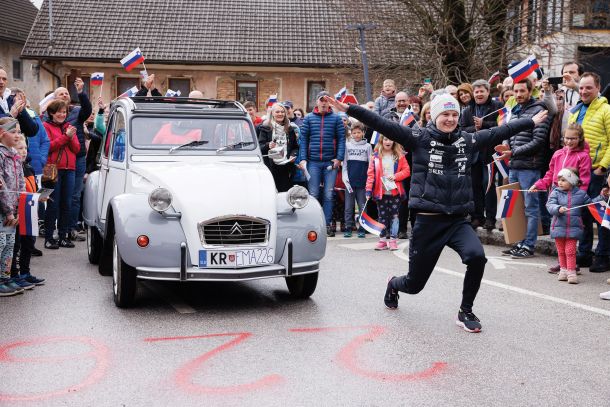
(568, 216)
(321, 134)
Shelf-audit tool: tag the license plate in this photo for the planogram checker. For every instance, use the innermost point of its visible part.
(236, 258)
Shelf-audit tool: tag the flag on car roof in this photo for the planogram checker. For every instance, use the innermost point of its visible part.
(28, 214)
(341, 94)
(407, 118)
(506, 205)
(129, 93)
(132, 60)
(97, 78)
(524, 68)
(370, 224)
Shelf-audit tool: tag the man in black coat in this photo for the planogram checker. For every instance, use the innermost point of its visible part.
(441, 192)
(14, 106)
(527, 153)
(478, 116)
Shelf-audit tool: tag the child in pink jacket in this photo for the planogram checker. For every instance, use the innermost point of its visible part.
(574, 154)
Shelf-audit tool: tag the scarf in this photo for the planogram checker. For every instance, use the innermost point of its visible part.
(281, 142)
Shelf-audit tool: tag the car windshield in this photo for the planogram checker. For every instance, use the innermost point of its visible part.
(158, 133)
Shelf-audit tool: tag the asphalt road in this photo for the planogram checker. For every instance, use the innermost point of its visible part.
(249, 344)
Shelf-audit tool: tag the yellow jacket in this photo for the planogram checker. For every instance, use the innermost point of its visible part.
(596, 125)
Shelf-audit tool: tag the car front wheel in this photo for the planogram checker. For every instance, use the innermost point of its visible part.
(94, 245)
(302, 286)
(123, 279)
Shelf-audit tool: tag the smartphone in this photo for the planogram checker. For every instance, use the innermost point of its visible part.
(555, 80)
(427, 80)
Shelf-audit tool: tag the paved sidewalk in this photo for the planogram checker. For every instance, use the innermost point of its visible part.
(544, 245)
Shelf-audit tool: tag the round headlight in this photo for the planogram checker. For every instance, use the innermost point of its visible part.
(160, 199)
(297, 197)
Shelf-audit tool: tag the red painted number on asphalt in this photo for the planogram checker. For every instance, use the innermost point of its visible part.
(348, 355)
(99, 353)
(184, 375)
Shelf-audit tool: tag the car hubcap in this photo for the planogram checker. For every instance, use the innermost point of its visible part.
(115, 269)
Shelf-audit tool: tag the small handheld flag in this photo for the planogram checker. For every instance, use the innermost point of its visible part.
(524, 68)
(129, 93)
(369, 224)
(341, 94)
(606, 219)
(272, 100)
(171, 93)
(133, 59)
(28, 214)
(502, 165)
(597, 211)
(494, 78)
(97, 78)
(506, 205)
(503, 116)
(374, 138)
(407, 118)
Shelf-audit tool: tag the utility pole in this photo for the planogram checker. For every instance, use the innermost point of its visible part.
(365, 63)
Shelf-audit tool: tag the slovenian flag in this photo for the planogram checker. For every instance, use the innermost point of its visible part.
(524, 68)
(132, 60)
(28, 214)
(374, 138)
(502, 165)
(597, 211)
(506, 205)
(370, 224)
(407, 118)
(130, 92)
(606, 219)
(272, 100)
(171, 93)
(503, 116)
(341, 94)
(97, 78)
(494, 78)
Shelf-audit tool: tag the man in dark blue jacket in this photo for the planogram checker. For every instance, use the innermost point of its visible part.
(322, 148)
(77, 116)
(441, 192)
(14, 106)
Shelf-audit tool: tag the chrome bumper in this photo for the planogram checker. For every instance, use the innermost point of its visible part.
(285, 268)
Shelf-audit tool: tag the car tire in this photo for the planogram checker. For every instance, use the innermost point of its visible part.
(104, 266)
(94, 245)
(302, 286)
(124, 278)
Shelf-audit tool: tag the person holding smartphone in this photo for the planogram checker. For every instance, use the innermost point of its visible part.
(13, 106)
(62, 153)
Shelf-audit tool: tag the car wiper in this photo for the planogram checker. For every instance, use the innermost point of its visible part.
(232, 146)
(194, 143)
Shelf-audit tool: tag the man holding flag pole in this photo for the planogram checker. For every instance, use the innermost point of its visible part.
(441, 192)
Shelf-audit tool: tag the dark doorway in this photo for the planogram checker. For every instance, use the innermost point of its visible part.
(596, 59)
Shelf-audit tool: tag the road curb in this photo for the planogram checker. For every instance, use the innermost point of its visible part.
(544, 244)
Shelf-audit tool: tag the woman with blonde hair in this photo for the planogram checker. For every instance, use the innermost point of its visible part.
(278, 142)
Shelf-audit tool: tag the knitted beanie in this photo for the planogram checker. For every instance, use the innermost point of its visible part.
(443, 103)
(569, 176)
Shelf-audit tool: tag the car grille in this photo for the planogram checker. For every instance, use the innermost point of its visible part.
(234, 231)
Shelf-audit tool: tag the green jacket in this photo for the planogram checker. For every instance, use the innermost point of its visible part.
(596, 125)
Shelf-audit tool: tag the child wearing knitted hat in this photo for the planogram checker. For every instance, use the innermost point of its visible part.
(565, 204)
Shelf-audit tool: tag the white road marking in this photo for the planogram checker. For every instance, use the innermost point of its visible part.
(499, 263)
(403, 256)
(169, 297)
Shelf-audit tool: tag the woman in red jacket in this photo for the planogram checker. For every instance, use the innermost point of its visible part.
(64, 146)
(388, 167)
